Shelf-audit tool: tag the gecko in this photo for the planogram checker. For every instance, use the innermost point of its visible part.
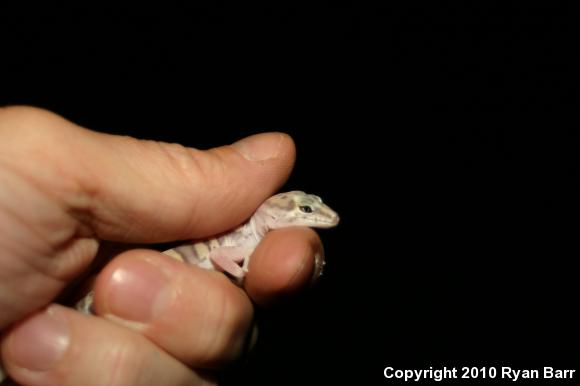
(230, 252)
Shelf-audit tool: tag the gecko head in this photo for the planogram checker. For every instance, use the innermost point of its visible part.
(298, 209)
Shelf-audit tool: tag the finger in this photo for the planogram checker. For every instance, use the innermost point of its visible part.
(125, 189)
(197, 316)
(59, 346)
(285, 262)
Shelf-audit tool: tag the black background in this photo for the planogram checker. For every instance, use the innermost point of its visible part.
(444, 135)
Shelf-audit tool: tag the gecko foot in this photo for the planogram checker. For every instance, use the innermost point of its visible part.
(228, 265)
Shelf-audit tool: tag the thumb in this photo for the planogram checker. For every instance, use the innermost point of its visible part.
(144, 191)
(124, 189)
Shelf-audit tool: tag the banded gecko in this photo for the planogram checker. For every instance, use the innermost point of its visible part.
(230, 252)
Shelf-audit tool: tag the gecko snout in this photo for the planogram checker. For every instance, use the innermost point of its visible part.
(331, 219)
(335, 219)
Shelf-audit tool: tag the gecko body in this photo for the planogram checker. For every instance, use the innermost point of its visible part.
(230, 252)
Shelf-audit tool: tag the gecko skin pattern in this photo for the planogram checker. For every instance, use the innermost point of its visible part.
(231, 251)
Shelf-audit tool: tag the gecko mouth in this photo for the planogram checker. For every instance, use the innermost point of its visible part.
(331, 222)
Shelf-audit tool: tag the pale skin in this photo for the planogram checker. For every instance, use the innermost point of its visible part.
(63, 189)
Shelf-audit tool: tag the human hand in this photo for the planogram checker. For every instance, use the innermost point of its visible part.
(64, 188)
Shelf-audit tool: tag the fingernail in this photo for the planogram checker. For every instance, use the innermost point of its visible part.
(40, 342)
(259, 147)
(138, 291)
(319, 264)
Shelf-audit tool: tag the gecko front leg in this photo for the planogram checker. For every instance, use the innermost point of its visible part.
(228, 260)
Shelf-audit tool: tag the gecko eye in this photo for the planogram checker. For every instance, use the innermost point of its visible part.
(305, 209)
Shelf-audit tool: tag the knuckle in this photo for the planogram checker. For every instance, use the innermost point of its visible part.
(27, 119)
(34, 133)
(20, 111)
(180, 159)
(189, 169)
